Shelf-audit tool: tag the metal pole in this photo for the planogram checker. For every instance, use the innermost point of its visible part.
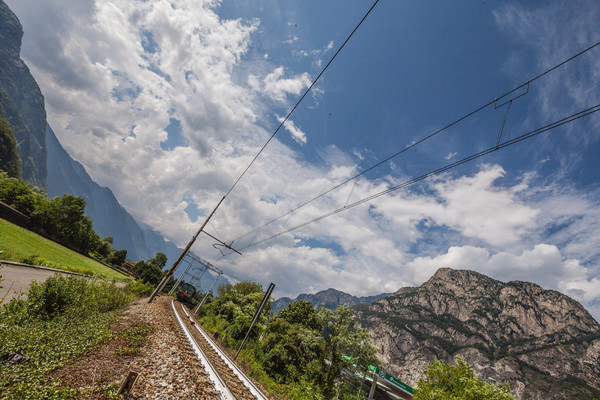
(180, 278)
(256, 316)
(373, 387)
(183, 253)
(206, 295)
(198, 281)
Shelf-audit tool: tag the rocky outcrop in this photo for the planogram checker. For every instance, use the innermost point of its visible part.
(543, 343)
(330, 298)
(22, 100)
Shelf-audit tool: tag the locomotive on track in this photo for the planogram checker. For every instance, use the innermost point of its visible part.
(186, 293)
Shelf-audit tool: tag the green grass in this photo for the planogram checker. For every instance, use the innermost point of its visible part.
(20, 245)
(59, 321)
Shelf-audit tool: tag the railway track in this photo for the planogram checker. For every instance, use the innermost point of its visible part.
(228, 380)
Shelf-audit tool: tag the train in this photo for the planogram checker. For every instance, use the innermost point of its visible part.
(186, 293)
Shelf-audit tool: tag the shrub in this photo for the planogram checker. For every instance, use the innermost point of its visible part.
(139, 288)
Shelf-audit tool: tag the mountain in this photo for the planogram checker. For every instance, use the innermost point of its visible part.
(21, 100)
(330, 298)
(67, 176)
(543, 343)
(43, 160)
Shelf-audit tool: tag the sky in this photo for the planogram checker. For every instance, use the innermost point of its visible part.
(167, 102)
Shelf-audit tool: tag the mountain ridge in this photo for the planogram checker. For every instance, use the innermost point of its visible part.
(22, 100)
(329, 298)
(540, 341)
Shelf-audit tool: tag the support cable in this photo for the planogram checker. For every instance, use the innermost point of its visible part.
(303, 96)
(409, 147)
(445, 168)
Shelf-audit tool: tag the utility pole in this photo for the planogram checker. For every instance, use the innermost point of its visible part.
(178, 261)
(206, 295)
(256, 316)
(181, 278)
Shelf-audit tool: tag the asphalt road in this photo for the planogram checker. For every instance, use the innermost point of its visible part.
(18, 278)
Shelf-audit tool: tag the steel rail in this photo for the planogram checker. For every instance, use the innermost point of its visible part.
(233, 366)
(220, 386)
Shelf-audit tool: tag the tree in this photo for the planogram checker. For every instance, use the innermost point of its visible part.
(457, 382)
(117, 257)
(151, 271)
(17, 194)
(342, 338)
(9, 157)
(292, 344)
(303, 313)
(63, 217)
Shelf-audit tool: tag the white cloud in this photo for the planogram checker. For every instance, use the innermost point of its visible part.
(111, 68)
(277, 87)
(297, 134)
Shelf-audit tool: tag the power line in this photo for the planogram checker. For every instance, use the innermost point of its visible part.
(409, 147)
(193, 240)
(303, 96)
(472, 157)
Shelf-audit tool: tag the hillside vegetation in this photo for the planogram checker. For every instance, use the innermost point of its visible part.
(20, 245)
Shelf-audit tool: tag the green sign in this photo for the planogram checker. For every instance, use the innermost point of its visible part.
(384, 375)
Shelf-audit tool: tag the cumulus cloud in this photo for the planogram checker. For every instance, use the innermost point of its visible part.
(116, 73)
(297, 134)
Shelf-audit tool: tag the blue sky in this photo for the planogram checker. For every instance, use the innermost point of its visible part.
(180, 95)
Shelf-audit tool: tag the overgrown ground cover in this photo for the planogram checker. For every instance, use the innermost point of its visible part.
(59, 320)
(20, 245)
(298, 354)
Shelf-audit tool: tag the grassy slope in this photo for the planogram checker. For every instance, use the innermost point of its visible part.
(18, 244)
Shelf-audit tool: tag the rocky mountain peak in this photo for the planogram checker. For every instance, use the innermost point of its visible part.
(11, 31)
(538, 340)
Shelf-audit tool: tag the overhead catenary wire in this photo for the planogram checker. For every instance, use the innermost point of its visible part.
(193, 239)
(314, 82)
(496, 147)
(412, 145)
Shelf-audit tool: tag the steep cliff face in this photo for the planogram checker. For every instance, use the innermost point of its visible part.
(22, 100)
(330, 298)
(545, 344)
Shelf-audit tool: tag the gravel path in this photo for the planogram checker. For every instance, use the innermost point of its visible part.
(169, 368)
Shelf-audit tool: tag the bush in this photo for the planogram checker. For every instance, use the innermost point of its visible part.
(139, 288)
(67, 295)
(59, 320)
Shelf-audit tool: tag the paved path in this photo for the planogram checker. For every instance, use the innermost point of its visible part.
(17, 279)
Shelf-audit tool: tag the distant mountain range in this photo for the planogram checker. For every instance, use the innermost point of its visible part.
(46, 164)
(67, 176)
(543, 343)
(330, 298)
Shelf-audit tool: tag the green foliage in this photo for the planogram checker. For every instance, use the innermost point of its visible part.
(139, 288)
(457, 382)
(236, 306)
(21, 245)
(135, 338)
(56, 322)
(19, 195)
(341, 337)
(117, 257)
(59, 295)
(300, 351)
(61, 218)
(151, 271)
(9, 157)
